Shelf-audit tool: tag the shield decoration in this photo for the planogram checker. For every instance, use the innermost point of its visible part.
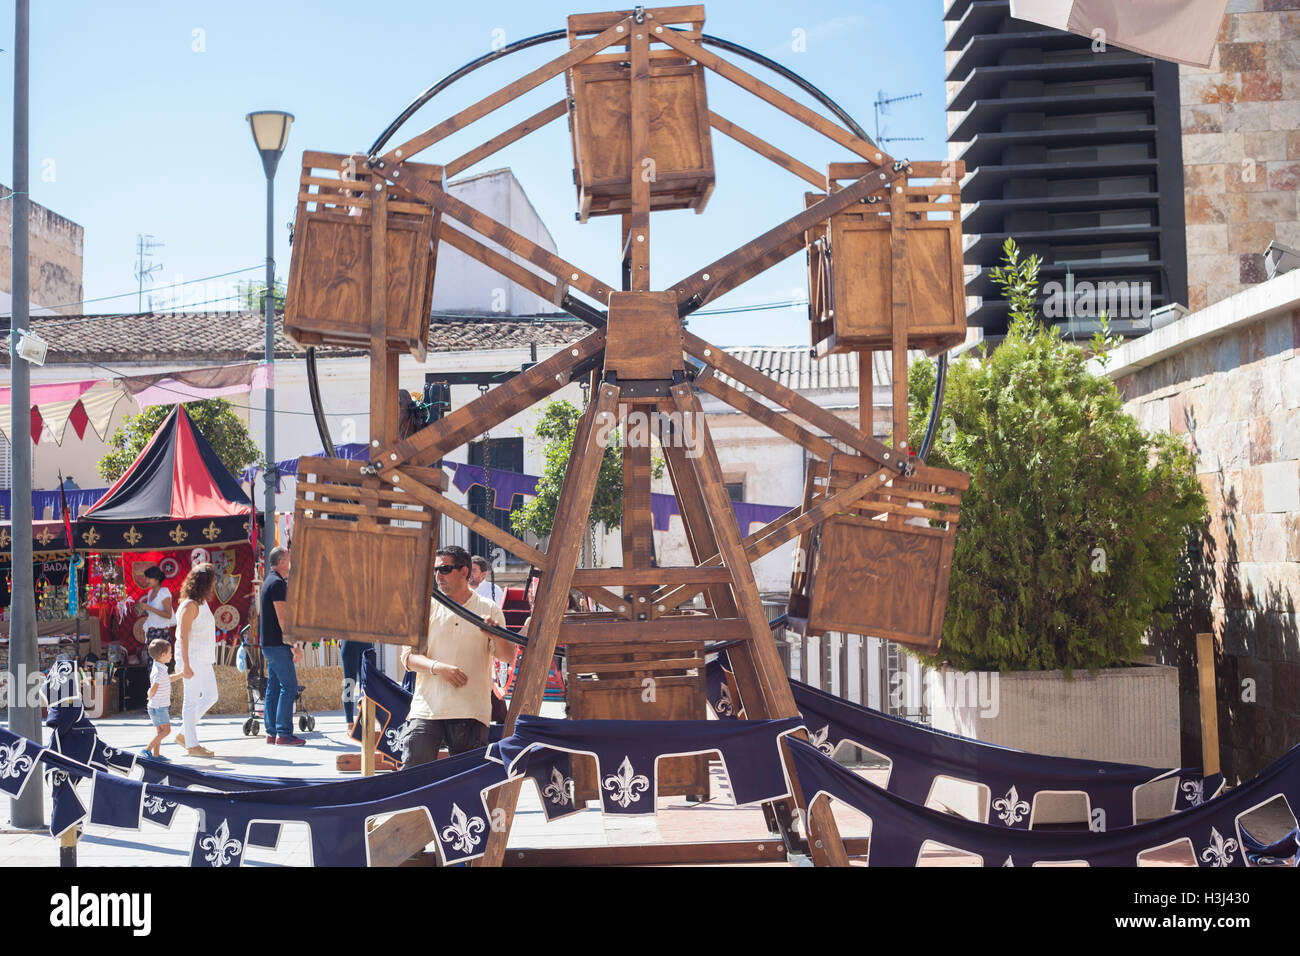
(227, 617)
(227, 581)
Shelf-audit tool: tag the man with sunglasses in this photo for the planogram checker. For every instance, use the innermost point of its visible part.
(453, 670)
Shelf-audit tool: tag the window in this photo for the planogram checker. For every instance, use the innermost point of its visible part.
(736, 490)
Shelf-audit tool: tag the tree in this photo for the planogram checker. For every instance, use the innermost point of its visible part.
(252, 295)
(1069, 538)
(215, 420)
(556, 428)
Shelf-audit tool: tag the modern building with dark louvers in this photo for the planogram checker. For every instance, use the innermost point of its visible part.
(1074, 152)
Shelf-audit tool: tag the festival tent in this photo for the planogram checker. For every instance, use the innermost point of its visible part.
(174, 507)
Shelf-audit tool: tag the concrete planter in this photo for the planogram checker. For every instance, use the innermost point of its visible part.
(1125, 715)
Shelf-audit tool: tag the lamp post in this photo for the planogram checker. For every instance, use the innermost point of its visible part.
(270, 134)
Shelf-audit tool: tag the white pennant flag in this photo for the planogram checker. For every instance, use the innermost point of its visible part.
(1184, 31)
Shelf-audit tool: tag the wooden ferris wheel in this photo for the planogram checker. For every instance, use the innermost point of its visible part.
(875, 529)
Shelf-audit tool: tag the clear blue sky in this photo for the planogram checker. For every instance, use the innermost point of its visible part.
(138, 125)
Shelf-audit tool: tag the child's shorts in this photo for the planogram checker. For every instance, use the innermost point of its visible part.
(159, 716)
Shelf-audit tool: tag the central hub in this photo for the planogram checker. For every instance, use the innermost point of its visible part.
(644, 338)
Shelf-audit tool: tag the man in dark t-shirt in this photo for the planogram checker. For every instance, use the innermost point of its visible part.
(281, 675)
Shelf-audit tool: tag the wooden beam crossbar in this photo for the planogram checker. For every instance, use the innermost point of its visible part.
(500, 142)
(697, 289)
(765, 149)
(492, 409)
(753, 85)
(510, 92)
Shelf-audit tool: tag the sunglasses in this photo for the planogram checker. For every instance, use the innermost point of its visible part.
(445, 568)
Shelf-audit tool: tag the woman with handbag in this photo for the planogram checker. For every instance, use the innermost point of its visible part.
(196, 645)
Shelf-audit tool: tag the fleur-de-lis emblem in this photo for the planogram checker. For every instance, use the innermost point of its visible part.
(399, 740)
(211, 532)
(1194, 791)
(1011, 809)
(461, 834)
(154, 805)
(45, 537)
(90, 536)
(58, 778)
(560, 790)
(1220, 851)
(13, 762)
(818, 740)
(221, 846)
(178, 534)
(131, 536)
(627, 785)
(723, 707)
(4, 538)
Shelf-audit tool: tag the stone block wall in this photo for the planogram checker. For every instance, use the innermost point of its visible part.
(55, 255)
(1236, 398)
(1241, 148)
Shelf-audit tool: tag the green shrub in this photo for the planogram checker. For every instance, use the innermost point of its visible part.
(1069, 537)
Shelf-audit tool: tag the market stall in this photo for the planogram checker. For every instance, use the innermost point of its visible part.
(175, 506)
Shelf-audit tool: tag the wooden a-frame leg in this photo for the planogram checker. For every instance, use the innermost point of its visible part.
(571, 516)
(824, 841)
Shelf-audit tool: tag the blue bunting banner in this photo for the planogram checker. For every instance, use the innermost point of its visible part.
(919, 755)
(900, 828)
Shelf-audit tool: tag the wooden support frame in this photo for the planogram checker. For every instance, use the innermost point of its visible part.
(647, 611)
(553, 593)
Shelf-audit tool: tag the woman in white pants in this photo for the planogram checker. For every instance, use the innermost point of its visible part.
(196, 648)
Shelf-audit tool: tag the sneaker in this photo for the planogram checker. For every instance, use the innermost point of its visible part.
(290, 741)
(270, 738)
(200, 752)
(180, 739)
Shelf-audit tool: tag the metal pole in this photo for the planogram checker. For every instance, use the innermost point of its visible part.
(268, 526)
(28, 811)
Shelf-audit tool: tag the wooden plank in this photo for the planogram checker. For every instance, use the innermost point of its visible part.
(788, 398)
(652, 576)
(901, 289)
(500, 142)
(759, 654)
(444, 505)
(764, 149)
(507, 94)
(771, 418)
(639, 127)
(367, 737)
(686, 628)
(771, 850)
(582, 23)
(758, 265)
(703, 282)
(752, 84)
(399, 837)
(606, 599)
(1209, 704)
(951, 170)
(490, 410)
(571, 516)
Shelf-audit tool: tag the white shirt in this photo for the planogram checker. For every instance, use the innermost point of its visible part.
(202, 638)
(493, 592)
(154, 620)
(455, 641)
(162, 697)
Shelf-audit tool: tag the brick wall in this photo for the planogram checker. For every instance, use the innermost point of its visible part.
(1236, 397)
(1241, 148)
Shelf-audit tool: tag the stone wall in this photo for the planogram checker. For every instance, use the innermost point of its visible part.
(1241, 148)
(1236, 398)
(55, 252)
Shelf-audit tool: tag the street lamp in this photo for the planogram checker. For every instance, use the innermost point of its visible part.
(270, 134)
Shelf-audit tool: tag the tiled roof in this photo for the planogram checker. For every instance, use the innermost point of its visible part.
(795, 367)
(225, 336)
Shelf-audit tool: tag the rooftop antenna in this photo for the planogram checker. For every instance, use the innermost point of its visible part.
(881, 105)
(144, 246)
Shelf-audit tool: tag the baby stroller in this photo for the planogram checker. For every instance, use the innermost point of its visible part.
(255, 680)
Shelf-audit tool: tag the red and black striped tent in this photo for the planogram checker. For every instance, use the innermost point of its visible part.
(176, 495)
